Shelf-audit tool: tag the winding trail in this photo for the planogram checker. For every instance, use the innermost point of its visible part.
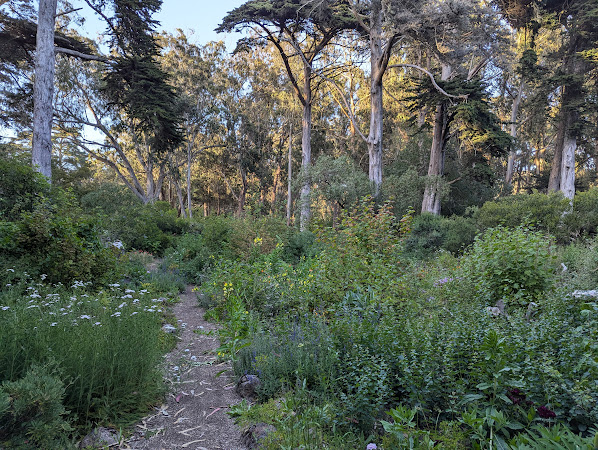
(193, 415)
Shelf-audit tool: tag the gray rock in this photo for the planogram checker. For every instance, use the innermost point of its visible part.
(255, 434)
(248, 385)
(100, 438)
(167, 328)
(592, 293)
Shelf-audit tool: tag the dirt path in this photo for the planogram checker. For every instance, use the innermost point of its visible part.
(193, 415)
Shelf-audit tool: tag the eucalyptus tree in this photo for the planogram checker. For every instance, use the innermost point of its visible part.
(297, 29)
(24, 42)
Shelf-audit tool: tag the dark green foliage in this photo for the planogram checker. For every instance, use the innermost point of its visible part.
(311, 18)
(476, 125)
(430, 233)
(541, 210)
(31, 411)
(122, 216)
(136, 83)
(42, 231)
(20, 189)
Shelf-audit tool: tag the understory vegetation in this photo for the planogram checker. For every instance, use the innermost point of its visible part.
(375, 333)
(387, 331)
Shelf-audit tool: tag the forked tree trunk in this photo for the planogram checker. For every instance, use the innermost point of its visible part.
(431, 200)
(43, 89)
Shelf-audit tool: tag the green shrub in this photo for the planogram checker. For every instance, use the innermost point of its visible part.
(516, 265)
(20, 189)
(553, 438)
(583, 221)
(430, 233)
(123, 217)
(541, 210)
(581, 260)
(31, 411)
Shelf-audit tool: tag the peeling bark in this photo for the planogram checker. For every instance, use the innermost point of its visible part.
(43, 89)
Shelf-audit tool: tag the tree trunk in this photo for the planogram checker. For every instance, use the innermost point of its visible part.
(554, 182)
(189, 211)
(305, 201)
(179, 195)
(431, 201)
(290, 176)
(43, 89)
(568, 167)
(513, 133)
(376, 105)
(243, 193)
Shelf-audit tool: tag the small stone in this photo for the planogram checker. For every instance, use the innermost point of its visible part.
(253, 435)
(168, 328)
(248, 385)
(99, 438)
(579, 293)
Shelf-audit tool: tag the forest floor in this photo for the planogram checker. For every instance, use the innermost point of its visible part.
(193, 415)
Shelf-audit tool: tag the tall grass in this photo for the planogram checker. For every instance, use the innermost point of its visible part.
(107, 344)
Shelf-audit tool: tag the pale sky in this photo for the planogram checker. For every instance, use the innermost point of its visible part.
(201, 16)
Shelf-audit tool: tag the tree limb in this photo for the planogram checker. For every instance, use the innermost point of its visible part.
(438, 88)
(67, 51)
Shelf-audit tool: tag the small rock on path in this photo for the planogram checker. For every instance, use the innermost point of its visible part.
(194, 414)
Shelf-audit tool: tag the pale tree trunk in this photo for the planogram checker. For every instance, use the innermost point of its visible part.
(290, 176)
(179, 195)
(43, 89)
(374, 140)
(305, 201)
(513, 133)
(568, 167)
(189, 211)
(554, 182)
(379, 57)
(431, 200)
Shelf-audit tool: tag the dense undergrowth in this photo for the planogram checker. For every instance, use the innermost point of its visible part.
(387, 331)
(81, 338)
(361, 341)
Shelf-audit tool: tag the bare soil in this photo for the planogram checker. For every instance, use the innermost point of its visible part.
(193, 415)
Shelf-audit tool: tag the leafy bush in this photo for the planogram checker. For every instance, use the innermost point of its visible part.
(430, 233)
(583, 220)
(363, 252)
(20, 189)
(581, 260)
(123, 217)
(512, 264)
(541, 210)
(32, 413)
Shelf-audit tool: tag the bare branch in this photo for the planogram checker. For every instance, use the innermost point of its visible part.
(79, 54)
(65, 12)
(350, 112)
(434, 83)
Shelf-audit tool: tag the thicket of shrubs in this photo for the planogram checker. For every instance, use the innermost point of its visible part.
(359, 327)
(407, 332)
